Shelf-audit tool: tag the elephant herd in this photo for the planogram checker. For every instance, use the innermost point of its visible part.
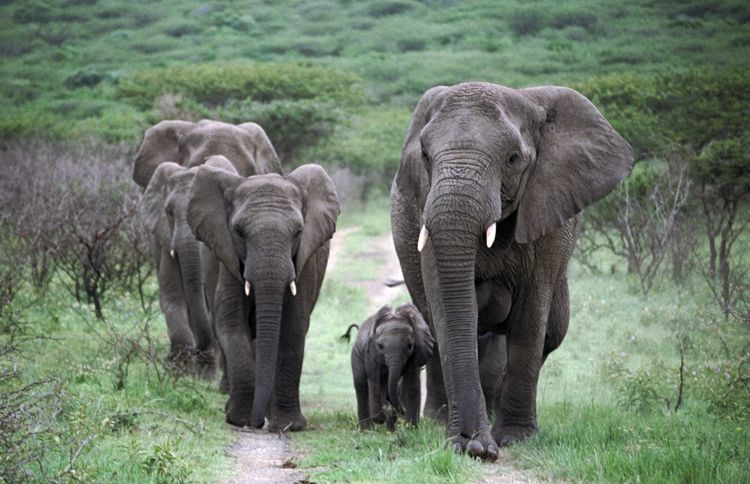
(485, 209)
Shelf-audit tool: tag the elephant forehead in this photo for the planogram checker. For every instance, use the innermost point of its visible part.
(394, 326)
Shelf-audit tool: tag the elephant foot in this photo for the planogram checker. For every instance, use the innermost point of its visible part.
(481, 445)
(178, 361)
(238, 414)
(506, 435)
(293, 422)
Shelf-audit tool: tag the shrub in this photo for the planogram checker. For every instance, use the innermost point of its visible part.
(215, 84)
(526, 22)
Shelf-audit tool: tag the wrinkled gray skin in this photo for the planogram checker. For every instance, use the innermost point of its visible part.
(391, 348)
(185, 145)
(269, 233)
(528, 160)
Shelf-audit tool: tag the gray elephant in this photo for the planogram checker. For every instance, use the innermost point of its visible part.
(271, 235)
(485, 212)
(186, 144)
(391, 348)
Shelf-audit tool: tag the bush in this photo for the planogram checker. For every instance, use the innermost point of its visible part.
(216, 84)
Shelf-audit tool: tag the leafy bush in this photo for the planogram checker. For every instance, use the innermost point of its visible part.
(217, 83)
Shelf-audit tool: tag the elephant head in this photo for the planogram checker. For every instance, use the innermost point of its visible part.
(399, 338)
(494, 172)
(263, 229)
(189, 144)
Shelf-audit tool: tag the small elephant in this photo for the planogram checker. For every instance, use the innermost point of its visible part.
(391, 348)
(485, 209)
(271, 237)
(167, 149)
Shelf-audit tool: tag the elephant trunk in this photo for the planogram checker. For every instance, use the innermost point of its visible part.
(269, 290)
(188, 258)
(395, 368)
(456, 216)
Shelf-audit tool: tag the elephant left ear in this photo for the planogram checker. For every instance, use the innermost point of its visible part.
(320, 210)
(423, 340)
(580, 159)
(153, 203)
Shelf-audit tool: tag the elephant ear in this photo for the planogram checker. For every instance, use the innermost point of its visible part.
(423, 340)
(580, 159)
(160, 143)
(411, 178)
(320, 209)
(153, 203)
(209, 207)
(265, 155)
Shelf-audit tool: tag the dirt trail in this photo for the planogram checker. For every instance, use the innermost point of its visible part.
(269, 458)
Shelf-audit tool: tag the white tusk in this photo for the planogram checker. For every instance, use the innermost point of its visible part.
(423, 235)
(293, 288)
(247, 288)
(491, 234)
(171, 253)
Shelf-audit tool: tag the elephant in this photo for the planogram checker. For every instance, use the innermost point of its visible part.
(485, 209)
(186, 145)
(271, 235)
(391, 348)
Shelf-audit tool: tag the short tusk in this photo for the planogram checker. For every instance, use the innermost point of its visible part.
(491, 230)
(423, 236)
(293, 288)
(247, 288)
(171, 253)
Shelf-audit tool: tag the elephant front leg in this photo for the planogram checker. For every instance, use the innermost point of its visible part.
(516, 403)
(361, 390)
(411, 393)
(173, 306)
(232, 311)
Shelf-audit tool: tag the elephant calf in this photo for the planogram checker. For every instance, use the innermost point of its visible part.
(390, 349)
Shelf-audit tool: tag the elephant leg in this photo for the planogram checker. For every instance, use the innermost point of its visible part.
(231, 315)
(516, 409)
(436, 403)
(492, 359)
(411, 393)
(376, 394)
(172, 303)
(361, 389)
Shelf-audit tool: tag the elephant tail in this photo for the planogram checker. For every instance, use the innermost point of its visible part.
(393, 282)
(347, 336)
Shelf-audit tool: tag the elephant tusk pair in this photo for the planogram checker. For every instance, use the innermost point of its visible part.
(292, 288)
(489, 236)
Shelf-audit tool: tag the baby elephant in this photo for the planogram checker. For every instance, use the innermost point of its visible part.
(387, 356)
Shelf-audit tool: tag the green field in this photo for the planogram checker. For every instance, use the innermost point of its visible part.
(652, 381)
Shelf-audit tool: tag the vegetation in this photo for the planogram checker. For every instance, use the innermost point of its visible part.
(652, 383)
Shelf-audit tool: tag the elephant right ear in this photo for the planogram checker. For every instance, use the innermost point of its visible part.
(423, 340)
(376, 319)
(265, 155)
(209, 207)
(160, 143)
(153, 203)
(411, 177)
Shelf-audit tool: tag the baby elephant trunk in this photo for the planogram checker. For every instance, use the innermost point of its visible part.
(395, 367)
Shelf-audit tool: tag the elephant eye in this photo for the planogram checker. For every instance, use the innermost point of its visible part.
(380, 346)
(514, 160)
(425, 156)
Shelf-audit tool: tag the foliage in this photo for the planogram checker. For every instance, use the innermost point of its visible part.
(217, 83)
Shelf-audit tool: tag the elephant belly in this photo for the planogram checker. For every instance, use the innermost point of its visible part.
(494, 302)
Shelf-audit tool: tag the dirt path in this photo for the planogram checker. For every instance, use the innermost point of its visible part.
(263, 457)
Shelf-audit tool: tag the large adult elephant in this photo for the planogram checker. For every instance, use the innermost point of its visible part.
(271, 235)
(485, 211)
(185, 145)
